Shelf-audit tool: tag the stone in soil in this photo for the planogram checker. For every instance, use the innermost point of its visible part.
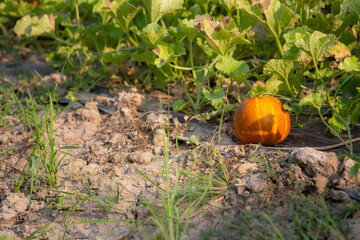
(257, 183)
(315, 163)
(142, 157)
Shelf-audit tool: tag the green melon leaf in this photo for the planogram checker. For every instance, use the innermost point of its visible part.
(166, 52)
(351, 65)
(152, 33)
(35, 26)
(157, 8)
(220, 34)
(215, 97)
(124, 12)
(315, 100)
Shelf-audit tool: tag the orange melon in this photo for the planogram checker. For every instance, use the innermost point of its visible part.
(261, 120)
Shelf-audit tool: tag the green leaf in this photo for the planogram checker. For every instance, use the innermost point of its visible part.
(157, 8)
(295, 34)
(115, 57)
(162, 75)
(35, 26)
(324, 23)
(167, 52)
(15, 9)
(205, 46)
(147, 57)
(232, 67)
(71, 96)
(258, 89)
(215, 97)
(352, 6)
(316, 44)
(276, 86)
(337, 126)
(339, 51)
(351, 65)
(179, 105)
(278, 17)
(282, 68)
(354, 170)
(124, 12)
(315, 100)
(325, 71)
(152, 33)
(177, 34)
(221, 35)
(102, 7)
(293, 107)
(189, 28)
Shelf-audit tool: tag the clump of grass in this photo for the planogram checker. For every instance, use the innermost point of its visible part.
(301, 218)
(46, 157)
(178, 201)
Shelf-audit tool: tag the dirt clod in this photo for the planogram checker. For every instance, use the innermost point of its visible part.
(256, 183)
(320, 183)
(315, 163)
(140, 157)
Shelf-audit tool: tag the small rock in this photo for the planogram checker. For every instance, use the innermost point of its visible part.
(117, 139)
(246, 194)
(298, 174)
(4, 139)
(37, 205)
(126, 112)
(320, 183)
(7, 214)
(239, 185)
(315, 163)
(118, 172)
(89, 115)
(231, 198)
(339, 196)
(91, 106)
(345, 179)
(81, 231)
(140, 157)
(257, 183)
(246, 168)
(130, 99)
(240, 152)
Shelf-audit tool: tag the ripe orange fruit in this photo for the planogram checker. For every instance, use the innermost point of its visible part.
(261, 120)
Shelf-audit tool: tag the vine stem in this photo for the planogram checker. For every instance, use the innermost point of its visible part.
(203, 81)
(191, 59)
(277, 41)
(350, 142)
(77, 13)
(131, 39)
(185, 68)
(350, 146)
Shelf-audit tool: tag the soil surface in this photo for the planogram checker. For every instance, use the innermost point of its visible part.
(120, 135)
